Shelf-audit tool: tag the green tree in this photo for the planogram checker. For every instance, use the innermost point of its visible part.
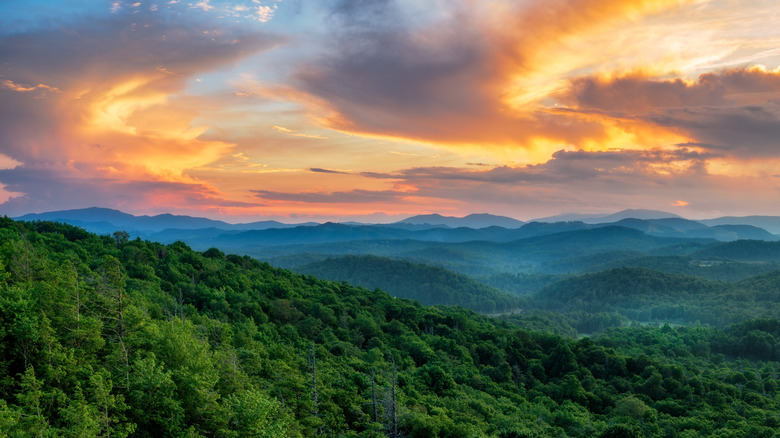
(622, 431)
(152, 397)
(9, 418)
(34, 422)
(82, 420)
(110, 407)
(253, 414)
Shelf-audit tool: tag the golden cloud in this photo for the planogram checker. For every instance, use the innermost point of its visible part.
(111, 105)
(488, 79)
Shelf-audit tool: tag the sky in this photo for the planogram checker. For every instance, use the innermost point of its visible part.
(376, 110)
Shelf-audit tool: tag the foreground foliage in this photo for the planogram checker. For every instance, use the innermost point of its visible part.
(103, 336)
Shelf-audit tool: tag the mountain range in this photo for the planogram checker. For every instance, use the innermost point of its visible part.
(106, 220)
(432, 227)
(482, 220)
(614, 217)
(103, 220)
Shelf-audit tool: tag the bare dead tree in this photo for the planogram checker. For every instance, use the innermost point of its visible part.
(180, 305)
(373, 394)
(111, 306)
(313, 364)
(22, 260)
(393, 402)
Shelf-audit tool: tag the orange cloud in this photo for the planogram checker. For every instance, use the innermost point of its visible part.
(11, 85)
(548, 41)
(638, 92)
(116, 110)
(289, 131)
(484, 78)
(137, 125)
(732, 110)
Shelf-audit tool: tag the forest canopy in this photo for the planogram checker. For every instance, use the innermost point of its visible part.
(109, 336)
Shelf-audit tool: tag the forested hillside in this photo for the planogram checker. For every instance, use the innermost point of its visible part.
(686, 265)
(742, 250)
(106, 336)
(646, 295)
(427, 284)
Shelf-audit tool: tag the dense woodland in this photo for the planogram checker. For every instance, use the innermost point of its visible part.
(427, 284)
(108, 336)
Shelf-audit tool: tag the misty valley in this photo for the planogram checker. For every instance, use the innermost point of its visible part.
(638, 324)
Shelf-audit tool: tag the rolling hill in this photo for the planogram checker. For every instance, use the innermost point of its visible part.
(426, 284)
(742, 250)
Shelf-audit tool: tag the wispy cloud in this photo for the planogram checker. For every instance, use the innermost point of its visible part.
(466, 79)
(356, 196)
(11, 85)
(320, 170)
(264, 14)
(284, 130)
(204, 5)
(592, 181)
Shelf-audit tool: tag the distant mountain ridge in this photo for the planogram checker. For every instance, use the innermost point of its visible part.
(432, 227)
(769, 223)
(480, 220)
(590, 218)
(106, 220)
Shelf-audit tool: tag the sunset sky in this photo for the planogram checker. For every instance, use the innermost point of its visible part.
(375, 110)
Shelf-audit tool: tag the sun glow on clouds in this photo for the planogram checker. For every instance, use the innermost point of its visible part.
(559, 37)
(116, 118)
(183, 102)
(506, 89)
(111, 110)
(11, 85)
(492, 86)
(138, 130)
